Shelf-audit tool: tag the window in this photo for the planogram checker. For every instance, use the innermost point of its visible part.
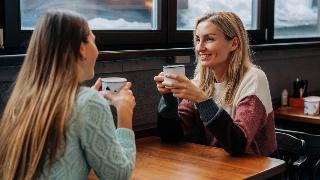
(117, 24)
(157, 24)
(188, 11)
(184, 14)
(296, 19)
(101, 14)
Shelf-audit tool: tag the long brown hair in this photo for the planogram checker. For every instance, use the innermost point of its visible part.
(33, 123)
(240, 59)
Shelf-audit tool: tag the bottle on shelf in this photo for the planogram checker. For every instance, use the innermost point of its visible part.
(284, 98)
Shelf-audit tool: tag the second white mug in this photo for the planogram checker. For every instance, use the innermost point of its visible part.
(173, 69)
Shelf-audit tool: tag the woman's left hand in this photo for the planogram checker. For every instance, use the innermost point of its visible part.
(97, 85)
(185, 89)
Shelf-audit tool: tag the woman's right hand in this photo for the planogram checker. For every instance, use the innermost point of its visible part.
(124, 102)
(161, 88)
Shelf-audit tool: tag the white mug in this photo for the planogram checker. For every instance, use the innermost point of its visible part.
(113, 84)
(311, 105)
(173, 69)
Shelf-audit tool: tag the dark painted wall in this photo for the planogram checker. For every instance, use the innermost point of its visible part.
(281, 66)
(1, 13)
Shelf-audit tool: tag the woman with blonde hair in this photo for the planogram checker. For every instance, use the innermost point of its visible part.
(54, 128)
(228, 103)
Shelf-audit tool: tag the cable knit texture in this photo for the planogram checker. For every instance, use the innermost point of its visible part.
(93, 142)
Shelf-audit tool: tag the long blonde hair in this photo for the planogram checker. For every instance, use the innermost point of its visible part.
(240, 59)
(33, 123)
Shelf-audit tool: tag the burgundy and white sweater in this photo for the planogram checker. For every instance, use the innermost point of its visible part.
(247, 126)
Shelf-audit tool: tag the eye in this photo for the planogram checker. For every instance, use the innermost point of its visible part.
(197, 40)
(210, 39)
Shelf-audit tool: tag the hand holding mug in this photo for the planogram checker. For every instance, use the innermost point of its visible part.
(161, 88)
(97, 85)
(184, 88)
(124, 102)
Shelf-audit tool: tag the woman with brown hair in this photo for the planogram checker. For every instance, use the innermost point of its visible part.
(54, 128)
(228, 102)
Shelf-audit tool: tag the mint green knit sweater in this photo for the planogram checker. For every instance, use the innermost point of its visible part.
(93, 142)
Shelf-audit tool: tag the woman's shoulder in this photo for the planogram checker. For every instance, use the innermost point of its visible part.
(87, 95)
(256, 73)
(255, 83)
(88, 100)
(254, 78)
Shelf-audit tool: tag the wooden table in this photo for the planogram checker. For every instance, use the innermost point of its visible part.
(296, 114)
(160, 161)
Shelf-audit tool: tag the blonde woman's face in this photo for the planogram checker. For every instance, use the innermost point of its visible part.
(211, 46)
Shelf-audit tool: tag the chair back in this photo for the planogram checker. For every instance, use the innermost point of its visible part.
(312, 150)
(292, 150)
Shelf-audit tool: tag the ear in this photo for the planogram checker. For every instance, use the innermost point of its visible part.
(235, 43)
(83, 51)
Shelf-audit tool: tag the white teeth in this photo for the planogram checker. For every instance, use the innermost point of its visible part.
(203, 56)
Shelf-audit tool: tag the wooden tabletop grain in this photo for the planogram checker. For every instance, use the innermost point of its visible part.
(296, 114)
(161, 161)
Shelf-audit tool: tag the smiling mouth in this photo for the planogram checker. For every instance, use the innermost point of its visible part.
(203, 56)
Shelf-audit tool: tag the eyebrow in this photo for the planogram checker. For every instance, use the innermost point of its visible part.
(210, 34)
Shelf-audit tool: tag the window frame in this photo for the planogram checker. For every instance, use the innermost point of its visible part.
(184, 36)
(166, 37)
(135, 39)
(106, 39)
(270, 25)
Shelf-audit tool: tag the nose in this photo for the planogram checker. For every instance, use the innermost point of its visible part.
(200, 46)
